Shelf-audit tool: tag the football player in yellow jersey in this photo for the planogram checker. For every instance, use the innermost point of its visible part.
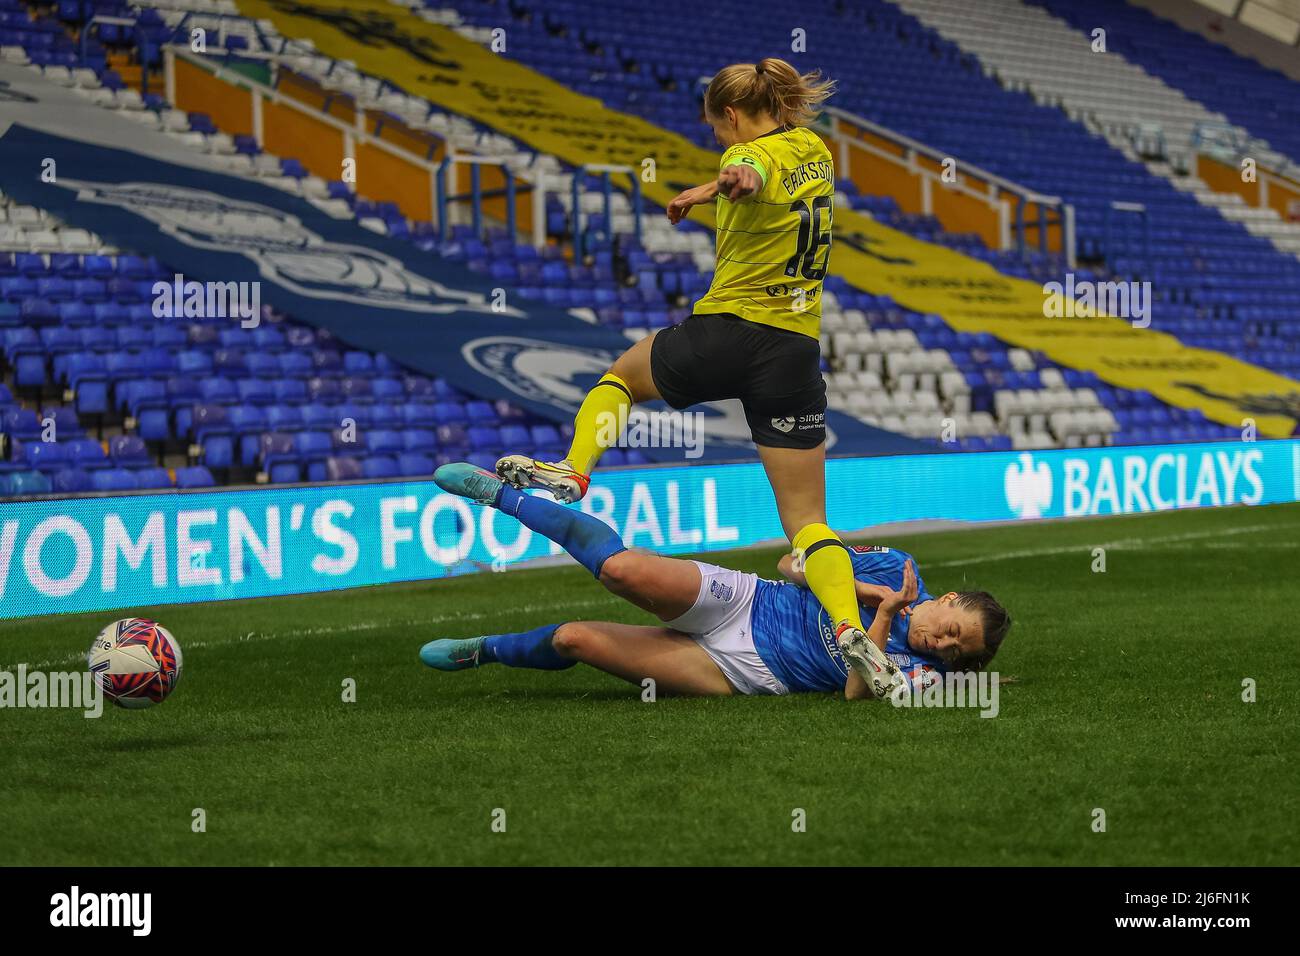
(754, 336)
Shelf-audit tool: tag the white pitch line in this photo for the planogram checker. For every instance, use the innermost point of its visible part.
(1074, 549)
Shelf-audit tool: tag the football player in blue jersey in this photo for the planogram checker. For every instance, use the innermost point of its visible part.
(728, 632)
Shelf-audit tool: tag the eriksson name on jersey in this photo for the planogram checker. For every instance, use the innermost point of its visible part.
(822, 169)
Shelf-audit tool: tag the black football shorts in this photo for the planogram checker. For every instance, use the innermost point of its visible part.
(775, 373)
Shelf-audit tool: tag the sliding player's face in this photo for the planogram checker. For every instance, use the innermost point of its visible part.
(944, 629)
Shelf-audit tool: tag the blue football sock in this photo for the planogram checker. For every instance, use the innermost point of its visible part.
(584, 536)
(526, 649)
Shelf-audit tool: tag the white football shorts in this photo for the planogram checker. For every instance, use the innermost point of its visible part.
(719, 621)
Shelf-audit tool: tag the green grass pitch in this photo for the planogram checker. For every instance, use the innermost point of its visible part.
(1128, 698)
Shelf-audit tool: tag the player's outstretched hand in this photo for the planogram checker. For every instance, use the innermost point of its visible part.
(897, 600)
(737, 182)
(686, 199)
(873, 595)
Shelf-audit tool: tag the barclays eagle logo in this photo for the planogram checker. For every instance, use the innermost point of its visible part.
(1028, 487)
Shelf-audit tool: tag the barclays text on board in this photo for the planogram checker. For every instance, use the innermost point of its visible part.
(89, 554)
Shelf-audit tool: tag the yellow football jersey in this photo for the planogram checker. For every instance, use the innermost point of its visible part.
(774, 246)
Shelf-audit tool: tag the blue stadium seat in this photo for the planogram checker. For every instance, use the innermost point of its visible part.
(322, 417)
(21, 423)
(29, 483)
(47, 457)
(86, 453)
(420, 414)
(208, 420)
(325, 390)
(30, 370)
(515, 437)
(379, 467)
(326, 360)
(152, 478)
(230, 362)
(545, 436)
(114, 479)
(273, 447)
(418, 386)
(349, 442)
(262, 365)
(268, 338)
(388, 390)
(134, 395)
(128, 450)
(452, 436)
(342, 469)
(284, 418)
(194, 476)
(356, 389)
(295, 364)
(71, 481)
(290, 390)
(66, 423)
(412, 465)
(419, 440)
(450, 413)
(358, 363)
(218, 389)
(385, 442)
(255, 391)
(312, 445)
(384, 415)
(194, 362)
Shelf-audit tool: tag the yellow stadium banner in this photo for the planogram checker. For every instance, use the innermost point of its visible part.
(424, 59)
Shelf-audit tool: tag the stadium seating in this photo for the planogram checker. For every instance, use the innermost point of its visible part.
(216, 403)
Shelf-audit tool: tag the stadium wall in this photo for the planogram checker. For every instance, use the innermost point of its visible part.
(98, 553)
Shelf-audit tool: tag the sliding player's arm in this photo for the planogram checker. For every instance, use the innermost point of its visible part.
(855, 688)
(869, 594)
(891, 603)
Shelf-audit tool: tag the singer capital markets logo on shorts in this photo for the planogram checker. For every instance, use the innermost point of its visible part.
(77, 909)
(802, 423)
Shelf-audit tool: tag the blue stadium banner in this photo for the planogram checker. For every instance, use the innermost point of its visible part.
(373, 292)
(128, 551)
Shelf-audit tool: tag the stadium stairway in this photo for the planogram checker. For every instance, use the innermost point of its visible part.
(1252, 96)
(1030, 48)
(1139, 114)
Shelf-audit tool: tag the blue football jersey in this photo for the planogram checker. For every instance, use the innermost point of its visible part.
(795, 636)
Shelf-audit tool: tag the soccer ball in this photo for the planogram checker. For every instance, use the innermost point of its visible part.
(138, 662)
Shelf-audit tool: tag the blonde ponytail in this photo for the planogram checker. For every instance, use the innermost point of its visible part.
(770, 86)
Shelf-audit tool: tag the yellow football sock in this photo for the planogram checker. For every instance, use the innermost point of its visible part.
(829, 570)
(600, 422)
